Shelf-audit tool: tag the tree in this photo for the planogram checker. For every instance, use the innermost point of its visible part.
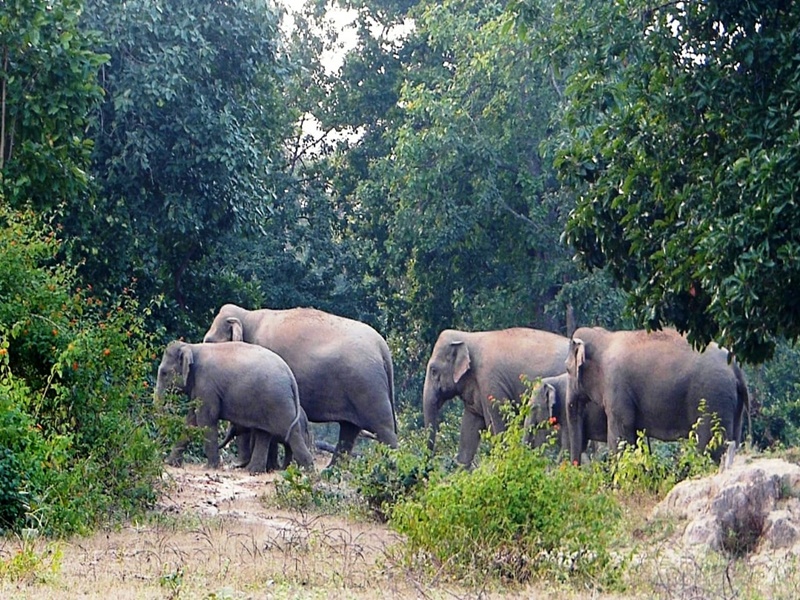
(475, 229)
(680, 143)
(48, 86)
(187, 143)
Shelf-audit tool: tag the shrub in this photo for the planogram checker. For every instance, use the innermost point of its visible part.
(514, 517)
(76, 404)
(384, 476)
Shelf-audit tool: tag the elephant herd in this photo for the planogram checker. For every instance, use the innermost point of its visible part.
(270, 372)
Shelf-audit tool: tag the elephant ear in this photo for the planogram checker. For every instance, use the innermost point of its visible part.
(577, 356)
(461, 360)
(187, 360)
(552, 400)
(236, 329)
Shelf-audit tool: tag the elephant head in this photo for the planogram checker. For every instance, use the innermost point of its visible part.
(175, 369)
(544, 408)
(449, 363)
(225, 329)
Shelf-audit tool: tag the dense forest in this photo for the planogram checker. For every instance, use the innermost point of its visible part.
(475, 165)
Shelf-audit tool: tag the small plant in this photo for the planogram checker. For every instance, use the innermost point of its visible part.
(294, 489)
(28, 564)
(637, 468)
(172, 582)
(655, 467)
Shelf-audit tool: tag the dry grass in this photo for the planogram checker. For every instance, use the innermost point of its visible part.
(214, 535)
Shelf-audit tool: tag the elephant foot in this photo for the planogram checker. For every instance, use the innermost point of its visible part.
(240, 463)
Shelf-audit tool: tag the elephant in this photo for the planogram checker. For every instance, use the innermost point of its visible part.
(653, 382)
(549, 404)
(484, 368)
(343, 367)
(247, 385)
(244, 442)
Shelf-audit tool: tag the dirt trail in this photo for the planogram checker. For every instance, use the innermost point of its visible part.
(214, 534)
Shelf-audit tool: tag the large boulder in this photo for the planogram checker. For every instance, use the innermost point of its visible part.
(751, 506)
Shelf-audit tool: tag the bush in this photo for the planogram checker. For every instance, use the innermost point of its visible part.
(384, 476)
(75, 403)
(514, 517)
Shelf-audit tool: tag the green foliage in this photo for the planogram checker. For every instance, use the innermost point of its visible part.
(514, 517)
(384, 476)
(187, 147)
(639, 468)
(295, 489)
(12, 500)
(775, 399)
(328, 493)
(48, 86)
(73, 389)
(32, 562)
(679, 144)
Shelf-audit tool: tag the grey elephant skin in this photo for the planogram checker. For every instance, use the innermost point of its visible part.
(549, 402)
(247, 385)
(652, 382)
(343, 367)
(245, 440)
(483, 368)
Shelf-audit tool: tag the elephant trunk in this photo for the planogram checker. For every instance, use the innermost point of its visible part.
(430, 411)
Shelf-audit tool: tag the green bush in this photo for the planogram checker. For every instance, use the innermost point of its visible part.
(384, 476)
(514, 517)
(75, 402)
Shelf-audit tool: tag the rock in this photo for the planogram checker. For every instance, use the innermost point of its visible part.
(751, 504)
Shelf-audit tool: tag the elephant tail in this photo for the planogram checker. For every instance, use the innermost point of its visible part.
(389, 367)
(297, 407)
(743, 397)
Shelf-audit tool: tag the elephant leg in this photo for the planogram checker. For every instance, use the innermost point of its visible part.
(175, 457)
(261, 444)
(348, 432)
(273, 462)
(244, 448)
(287, 456)
(296, 449)
(387, 435)
(469, 438)
(212, 445)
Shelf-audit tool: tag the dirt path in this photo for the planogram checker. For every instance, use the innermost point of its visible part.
(214, 535)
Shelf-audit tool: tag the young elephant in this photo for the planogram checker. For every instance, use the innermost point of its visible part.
(653, 382)
(248, 385)
(549, 404)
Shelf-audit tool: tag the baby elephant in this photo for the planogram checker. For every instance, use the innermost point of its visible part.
(549, 404)
(248, 385)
